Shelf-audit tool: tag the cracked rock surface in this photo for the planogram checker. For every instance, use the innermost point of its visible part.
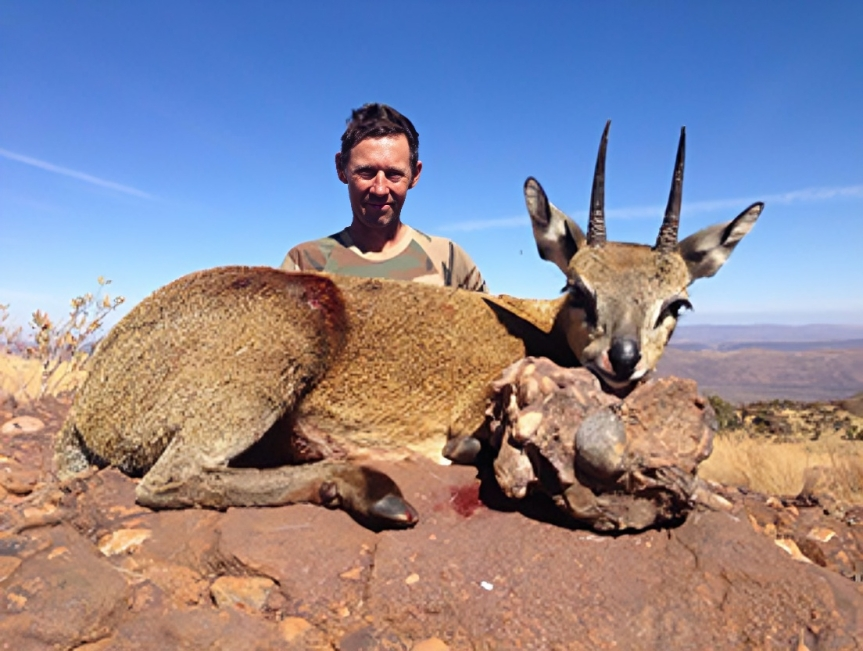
(84, 567)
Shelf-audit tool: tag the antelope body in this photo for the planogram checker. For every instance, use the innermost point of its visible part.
(242, 386)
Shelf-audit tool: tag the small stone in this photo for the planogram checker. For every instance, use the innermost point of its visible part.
(430, 644)
(412, 578)
(57, 551)
(184, 586)
(791, 547)
(821, 534)
(35, 513)
(246, 592)
(353, 574)
(19, 482)
(122, 541)
(16, 602)
(547, 385)
(527, 425)
(8, 564)
(291, 628)
(22, 425)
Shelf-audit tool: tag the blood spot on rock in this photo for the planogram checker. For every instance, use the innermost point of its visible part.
(465, 499)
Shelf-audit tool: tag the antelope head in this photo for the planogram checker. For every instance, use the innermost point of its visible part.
(623, 300)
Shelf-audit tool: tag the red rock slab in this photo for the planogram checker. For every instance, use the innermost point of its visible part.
(61, 596)
(501, 581)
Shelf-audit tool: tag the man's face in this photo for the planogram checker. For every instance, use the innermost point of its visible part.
(378, 176)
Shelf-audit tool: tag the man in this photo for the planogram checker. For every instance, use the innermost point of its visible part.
(379, 162)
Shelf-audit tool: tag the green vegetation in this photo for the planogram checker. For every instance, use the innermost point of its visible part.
(726, 414)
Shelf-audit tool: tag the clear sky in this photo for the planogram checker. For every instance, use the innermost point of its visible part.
(144, 140)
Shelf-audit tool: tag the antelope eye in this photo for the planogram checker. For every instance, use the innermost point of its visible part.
(672, 309)
(581, 298)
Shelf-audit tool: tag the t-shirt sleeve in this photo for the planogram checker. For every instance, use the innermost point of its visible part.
(292, 260)
(466, 275)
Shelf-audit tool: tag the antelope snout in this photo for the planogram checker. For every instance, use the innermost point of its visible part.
(624, 356)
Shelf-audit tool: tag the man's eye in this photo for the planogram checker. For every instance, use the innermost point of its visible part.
(395, 176)
(365, 175)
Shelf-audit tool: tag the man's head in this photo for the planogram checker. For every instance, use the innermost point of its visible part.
(379, 162)
(379, 121)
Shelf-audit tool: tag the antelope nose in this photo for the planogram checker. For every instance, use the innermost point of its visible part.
(624, 355)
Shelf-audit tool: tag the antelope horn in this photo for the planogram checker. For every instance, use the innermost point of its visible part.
(596, 222)
(667, 239)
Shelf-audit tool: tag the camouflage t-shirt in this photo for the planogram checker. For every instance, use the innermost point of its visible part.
(419, 257)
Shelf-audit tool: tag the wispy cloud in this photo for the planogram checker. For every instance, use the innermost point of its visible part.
(635, 212)
(81, 176)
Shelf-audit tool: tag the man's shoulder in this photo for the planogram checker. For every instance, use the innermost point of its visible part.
(425, 238)
(436, 246)
(458, 269)
(313, 255)
(328, 242)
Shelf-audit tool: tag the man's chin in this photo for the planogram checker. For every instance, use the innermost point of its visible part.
(378, 219)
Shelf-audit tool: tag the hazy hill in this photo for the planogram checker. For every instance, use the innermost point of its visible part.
(779, 337)
(764, 362)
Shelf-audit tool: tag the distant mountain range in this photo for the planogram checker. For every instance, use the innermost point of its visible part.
(765, 362)
(770, 337)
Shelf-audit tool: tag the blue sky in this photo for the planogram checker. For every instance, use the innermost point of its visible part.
(142, 141)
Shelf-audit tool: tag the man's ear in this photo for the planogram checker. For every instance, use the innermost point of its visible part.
(340, 170)
(416, 178)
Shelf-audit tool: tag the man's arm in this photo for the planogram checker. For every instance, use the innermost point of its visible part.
(291, 261)
(465, 274)
(309, 256)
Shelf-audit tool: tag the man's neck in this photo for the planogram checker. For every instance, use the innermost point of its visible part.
(377, 240)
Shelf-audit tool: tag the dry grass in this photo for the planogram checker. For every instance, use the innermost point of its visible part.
(831, 465)
(22, 378)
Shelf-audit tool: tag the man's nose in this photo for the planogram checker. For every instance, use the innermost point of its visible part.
(379, 184)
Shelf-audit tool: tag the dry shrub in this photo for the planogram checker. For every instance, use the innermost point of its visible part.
(827, 466)
(23, 378)
(51, 359)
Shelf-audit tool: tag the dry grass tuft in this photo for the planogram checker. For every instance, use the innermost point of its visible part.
(23, 378)
(833, 466)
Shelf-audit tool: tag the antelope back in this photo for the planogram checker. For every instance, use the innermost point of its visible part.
(623, 300)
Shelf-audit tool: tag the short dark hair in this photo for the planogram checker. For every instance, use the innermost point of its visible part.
(378, 121)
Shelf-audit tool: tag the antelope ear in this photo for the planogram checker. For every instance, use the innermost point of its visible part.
(557, 236)
(707, 250)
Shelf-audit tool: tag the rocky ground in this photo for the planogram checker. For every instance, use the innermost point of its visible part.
(83, 567)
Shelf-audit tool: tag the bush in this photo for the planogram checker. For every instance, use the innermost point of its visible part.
(60, 347)
(726, 414)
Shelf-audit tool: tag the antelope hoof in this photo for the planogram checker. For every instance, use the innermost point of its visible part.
(371, 497)
(394, 512)
(462, 450)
